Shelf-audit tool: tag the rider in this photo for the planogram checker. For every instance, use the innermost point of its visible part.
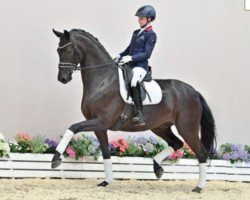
(137, 54)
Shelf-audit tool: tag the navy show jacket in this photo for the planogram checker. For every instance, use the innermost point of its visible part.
(141, 47)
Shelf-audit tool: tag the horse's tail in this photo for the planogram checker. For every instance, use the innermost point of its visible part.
(208, 136)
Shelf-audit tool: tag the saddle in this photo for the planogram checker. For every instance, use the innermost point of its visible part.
(127, 74)
(147, 86)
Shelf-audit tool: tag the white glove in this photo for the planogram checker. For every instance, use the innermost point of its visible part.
(116, 58)
(125, 59)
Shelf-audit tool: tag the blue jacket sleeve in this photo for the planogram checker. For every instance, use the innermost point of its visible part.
(149, 46)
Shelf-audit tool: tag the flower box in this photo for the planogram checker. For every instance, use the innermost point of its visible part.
(38, 165)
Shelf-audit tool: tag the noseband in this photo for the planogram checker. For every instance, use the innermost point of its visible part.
(74, 66)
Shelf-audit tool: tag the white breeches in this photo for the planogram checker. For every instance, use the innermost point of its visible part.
(138, 74)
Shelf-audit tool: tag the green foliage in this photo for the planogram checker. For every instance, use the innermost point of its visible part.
(247, 148)
(37, 145)
(225, 148)
(134, 150)
(84, 146)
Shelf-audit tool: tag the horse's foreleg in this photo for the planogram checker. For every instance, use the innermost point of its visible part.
(103, 139)
(89, 125)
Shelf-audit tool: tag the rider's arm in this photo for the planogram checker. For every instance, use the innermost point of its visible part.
(149, 46)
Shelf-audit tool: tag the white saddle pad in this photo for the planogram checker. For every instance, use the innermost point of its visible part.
(152, 88)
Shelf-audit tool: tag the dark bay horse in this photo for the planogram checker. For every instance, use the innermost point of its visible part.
(102, 104)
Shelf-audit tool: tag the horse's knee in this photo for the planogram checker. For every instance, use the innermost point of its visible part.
(179, 144)
(175, 142)
(75, 128)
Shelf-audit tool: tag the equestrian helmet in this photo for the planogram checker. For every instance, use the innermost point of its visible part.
(146, 11)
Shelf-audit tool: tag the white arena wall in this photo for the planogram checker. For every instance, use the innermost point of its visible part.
(204, 43)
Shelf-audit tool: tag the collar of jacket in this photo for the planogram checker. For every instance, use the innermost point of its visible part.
(147, 28)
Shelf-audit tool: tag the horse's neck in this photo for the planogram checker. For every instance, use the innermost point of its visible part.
(98, 80)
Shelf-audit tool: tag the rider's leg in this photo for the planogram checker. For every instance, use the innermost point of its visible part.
(138, 75)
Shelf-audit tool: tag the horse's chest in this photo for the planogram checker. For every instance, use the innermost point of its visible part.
(86, 110)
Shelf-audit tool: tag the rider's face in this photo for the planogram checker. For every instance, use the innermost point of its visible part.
(142, 21)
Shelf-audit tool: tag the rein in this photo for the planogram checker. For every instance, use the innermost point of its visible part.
(75, 66)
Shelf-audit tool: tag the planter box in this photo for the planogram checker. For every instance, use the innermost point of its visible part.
(38, 165)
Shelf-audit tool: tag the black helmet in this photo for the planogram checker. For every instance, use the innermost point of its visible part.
(146, 11)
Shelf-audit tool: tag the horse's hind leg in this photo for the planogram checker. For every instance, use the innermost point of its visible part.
(187, 125)
(174, 143)
(165, 132)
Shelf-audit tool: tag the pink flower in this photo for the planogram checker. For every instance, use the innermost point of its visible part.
(115, 143)
(122, 149)
(179, 153)
(176, 154)
(172, 157)
(71, 152)
(24, 137)
(120, 144)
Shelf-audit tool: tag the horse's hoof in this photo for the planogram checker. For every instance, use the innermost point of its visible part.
(158, 170)
(103, 184)
(197, 189)
(56, 161)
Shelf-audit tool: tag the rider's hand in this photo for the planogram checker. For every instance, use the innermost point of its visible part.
(116, 58)
(125, 59)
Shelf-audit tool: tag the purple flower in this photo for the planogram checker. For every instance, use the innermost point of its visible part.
(153, 140)
(51, 143)
(234, 155)
(92, 138)
(242, 155)
(236, 147)
(226, 156)
(141, 140)
(111, 147)
(214, 151)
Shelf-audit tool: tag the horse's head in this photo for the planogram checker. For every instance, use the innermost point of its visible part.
(69, 56)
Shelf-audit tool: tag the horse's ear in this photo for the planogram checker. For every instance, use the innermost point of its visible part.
(57, 33)
(66, 34)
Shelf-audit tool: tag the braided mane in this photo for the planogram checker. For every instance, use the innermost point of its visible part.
(92, 38)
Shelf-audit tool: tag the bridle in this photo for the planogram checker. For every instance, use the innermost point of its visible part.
(74, 66)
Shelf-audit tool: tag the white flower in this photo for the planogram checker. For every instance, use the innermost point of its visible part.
(13, 142)
(4, 148)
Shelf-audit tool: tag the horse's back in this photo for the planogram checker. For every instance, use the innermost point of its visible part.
(178, 88)
(166, 83)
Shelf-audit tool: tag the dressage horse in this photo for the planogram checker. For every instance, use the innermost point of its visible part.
(102, 104)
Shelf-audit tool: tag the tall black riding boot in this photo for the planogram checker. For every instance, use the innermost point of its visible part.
(138, 117)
